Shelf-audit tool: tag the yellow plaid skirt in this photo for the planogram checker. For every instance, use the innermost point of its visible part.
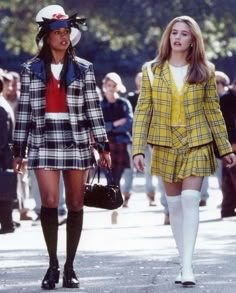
(175, 163)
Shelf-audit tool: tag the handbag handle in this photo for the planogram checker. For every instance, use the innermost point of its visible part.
(98, 172)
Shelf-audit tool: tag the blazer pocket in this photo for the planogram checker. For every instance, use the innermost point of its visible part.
(82, 136)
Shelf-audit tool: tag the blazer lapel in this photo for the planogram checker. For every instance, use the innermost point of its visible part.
(165, 73)
(39, 69)
(73, 71)
(162, 73)
(71, 75)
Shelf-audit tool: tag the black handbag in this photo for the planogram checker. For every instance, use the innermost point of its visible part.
(8, 185)
(102, 196)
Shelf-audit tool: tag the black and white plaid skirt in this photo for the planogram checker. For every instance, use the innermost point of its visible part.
(59, 150)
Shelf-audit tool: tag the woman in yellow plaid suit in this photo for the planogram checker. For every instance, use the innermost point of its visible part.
(178, 114)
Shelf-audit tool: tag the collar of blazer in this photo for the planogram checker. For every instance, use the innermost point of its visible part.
(162, 72)
(75, 70)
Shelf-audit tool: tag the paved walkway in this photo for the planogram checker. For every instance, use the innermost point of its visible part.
(136, 255)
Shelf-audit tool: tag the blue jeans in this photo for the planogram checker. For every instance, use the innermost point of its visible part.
(128, 174)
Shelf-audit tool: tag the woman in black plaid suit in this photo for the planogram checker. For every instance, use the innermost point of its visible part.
(58, 113)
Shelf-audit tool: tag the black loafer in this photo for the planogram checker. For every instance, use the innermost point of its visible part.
(228, 214)
(7, 230)
(70, 279)
(51, 278)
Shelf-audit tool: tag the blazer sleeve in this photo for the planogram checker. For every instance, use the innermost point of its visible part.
(93, 107)
(23, 116)
(142, 115)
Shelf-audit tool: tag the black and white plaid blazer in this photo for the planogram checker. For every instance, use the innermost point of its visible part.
(83, 103)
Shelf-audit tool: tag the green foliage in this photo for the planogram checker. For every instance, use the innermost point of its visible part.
(17, 24)
(138, 24)
(121, 32)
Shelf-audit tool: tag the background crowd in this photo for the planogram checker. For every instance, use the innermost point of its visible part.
(118, 106)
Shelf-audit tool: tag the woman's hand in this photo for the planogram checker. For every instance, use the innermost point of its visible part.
(233, 145)
(139, 163)
(17, 165)
(105, 160)
(229, 160)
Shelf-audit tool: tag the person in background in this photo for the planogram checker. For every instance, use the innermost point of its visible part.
(222, 87)
(58, 110)
(128, 174)
(228, 108)
(179, 115)
(6, 159)
(12, 94)
(118, 116)
(6, 88)
(204, 192)
(222, 82)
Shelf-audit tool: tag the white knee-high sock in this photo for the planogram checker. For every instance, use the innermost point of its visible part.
(190, 204)
(176, 221)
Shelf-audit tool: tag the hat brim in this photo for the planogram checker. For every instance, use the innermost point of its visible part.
(121, 88)
(75, 36)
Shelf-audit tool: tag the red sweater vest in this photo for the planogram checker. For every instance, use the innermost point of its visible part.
(55, 96)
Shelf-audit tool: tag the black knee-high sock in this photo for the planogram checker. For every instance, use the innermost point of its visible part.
(74, 226)
(6, 215)
(49, 223)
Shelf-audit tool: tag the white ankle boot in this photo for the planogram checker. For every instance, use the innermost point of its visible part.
(178, 279)
(188, 278)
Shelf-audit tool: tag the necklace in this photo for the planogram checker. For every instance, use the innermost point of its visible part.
(56, 71)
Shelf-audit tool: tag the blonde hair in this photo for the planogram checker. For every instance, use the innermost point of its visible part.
(199, 69)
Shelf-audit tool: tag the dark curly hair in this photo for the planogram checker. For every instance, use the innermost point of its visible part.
(45, 54)
(1, 84)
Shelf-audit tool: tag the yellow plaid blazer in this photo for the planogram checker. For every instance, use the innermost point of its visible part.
(152, 117)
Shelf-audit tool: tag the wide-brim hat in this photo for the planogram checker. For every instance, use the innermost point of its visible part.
(6, 75)
(117, 80)
(224, 77)
(54, 17)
